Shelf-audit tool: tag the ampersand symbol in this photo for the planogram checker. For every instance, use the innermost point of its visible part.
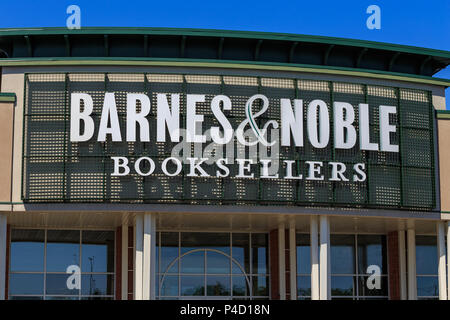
(251, 121)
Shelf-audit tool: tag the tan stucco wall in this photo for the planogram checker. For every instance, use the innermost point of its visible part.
(444, 162)
(6, 136)
(13, 81)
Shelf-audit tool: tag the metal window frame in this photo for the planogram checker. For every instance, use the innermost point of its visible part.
(80, 296)
(179, 274)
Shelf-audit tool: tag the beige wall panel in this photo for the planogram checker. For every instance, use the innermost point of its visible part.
(12, 81)
(444, 160)
(6, 136)
(439, 101)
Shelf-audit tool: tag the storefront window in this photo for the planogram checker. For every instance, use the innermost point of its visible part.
(42, 261)
(207, 265)
(355, 260)
(427, 267)
(303, 267)
(358, 267)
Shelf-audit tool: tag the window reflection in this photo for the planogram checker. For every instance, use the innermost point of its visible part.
(27, 250)
(240, 286)
(218, 285)
(427, 267)
(193, 262)
(241, 247)
(260, 285)
(56, 284)
(427, 287)
(372, 251)
(98, 251)
(23, 283)
(169, 286)
(304, 286)
(94, 250)
(351, 255)
(342, 254)
(192, 286)
(259, 253)
(364, 288)
(63, 249)
(426, 255)
(97, 284)
(212, 264)
(342, 286)
(217, 263)
(169, 252)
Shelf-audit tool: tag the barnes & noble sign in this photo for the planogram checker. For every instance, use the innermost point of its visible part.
(207, 139)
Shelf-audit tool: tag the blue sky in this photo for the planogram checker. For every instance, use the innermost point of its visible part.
(417, 23)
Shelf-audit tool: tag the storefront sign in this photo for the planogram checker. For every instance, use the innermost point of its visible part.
(291, 122)
(220, 139)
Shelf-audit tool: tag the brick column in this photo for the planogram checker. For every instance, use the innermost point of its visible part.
(118, 278)
(393, 265)
(274, 268)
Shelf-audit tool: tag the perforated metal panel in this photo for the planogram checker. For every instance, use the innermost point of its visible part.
(58, 170)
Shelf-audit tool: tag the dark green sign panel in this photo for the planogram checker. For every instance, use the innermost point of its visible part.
(56, 169)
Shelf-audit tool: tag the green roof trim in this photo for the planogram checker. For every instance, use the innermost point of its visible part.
(131, 61)
(443, 114)
(226, 34)
(7, 97)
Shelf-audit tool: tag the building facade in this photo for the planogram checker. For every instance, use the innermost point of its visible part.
(200, 164)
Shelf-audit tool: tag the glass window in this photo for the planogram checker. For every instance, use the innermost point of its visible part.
(169, 286)
(241, 254)
(303, 266)
(56, 284)
(342, 286)
(426, 255)
(368, 288)
(260, 286)
(427, 267)
(240, 286)
(24, 298)
(351, 256)
(213, 265)
(303, 254)
(169, 252)
(26, 283)
(372, 252)
(193, 262)
(218, 285)
(427, 287)
(259, 253)
(27, 250)
(63, 250)
(97, 285)
(342, 254)
(304, 286)
(217, 263)
(59, 249)
(192, 286)
(98, 251)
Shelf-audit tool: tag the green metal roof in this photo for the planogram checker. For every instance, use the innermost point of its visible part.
(220, 45)
(226, 34)
(7, 97)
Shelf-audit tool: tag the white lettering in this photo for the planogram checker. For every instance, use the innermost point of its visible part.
(318, 141)
(76, 116)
